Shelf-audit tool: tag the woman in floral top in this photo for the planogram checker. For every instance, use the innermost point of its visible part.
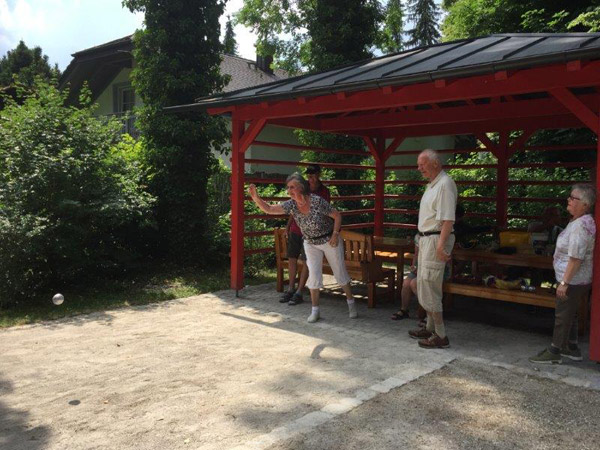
(573, 269)
(320, 225)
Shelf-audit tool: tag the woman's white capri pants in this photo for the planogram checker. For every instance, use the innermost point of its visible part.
(314, 261)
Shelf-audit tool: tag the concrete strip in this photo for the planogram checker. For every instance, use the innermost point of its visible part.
(344, 406)
(572, 379)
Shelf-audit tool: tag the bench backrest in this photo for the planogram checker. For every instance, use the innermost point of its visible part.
(280, 244)
(358, 247)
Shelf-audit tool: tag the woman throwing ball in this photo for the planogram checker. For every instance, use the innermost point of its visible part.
(320, 225)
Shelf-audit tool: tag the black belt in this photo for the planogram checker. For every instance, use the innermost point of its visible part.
(319, 237)
(429, 233)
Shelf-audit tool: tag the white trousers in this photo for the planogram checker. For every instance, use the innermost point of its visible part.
(314, 261)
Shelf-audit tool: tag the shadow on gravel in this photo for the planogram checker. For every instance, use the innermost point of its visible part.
(16, 433)
(465, 406)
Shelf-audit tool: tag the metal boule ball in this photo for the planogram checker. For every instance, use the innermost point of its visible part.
(58, 299)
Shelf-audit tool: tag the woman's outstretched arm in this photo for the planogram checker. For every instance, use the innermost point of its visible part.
(264, 206)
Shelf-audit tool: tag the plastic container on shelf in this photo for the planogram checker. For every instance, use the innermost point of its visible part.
(515, 238)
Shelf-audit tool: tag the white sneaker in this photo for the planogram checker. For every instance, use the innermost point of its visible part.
(314, 316)
(352, 313)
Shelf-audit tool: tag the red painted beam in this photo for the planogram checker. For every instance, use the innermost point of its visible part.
(237, 207)
(583, 111)
(357, 212)
(265, 216)
(565, 121)
(380, 150)
(502, 153)
(524, 109)
(401, 211)
(595, 297)
(250, 134)
(300, 163)
(408, 226)
(538, 79)
(303, 148)
(256, 251)
(397, 142)
(448, 167)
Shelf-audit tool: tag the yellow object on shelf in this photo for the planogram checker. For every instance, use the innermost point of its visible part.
(514, 238)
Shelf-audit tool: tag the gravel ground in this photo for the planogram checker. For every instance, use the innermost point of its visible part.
(465, 406)
(219, 372)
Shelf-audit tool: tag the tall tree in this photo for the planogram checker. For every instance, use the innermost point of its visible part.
(340, 31)
(318, 34)
(229, 42)
(391, 37)
(27, 63)
(425, 15)
(177, 58)
(471, 18)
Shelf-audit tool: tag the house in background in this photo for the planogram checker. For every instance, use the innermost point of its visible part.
(107, 69)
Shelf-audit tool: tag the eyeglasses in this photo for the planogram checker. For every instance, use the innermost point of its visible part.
(570, 197)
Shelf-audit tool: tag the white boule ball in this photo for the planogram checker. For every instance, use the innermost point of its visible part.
(58, 299)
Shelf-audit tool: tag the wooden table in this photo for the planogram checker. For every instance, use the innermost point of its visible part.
(393, 249)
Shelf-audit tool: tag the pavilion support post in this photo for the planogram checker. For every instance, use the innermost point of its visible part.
(381, 154)
(595, 298)
(237, 205)
(502, 154)
(379, 187)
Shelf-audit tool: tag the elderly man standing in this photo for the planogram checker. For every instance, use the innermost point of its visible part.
(436, 218)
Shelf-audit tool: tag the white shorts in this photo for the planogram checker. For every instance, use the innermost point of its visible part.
(314, 261)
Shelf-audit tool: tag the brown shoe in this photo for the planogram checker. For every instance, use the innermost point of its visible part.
(421, 333)
(434, 341)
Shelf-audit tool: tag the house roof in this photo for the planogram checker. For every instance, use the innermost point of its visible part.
(99, 65)
(467, 57)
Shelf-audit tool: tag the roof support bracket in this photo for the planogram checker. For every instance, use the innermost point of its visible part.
(577, 107)
(250, 134)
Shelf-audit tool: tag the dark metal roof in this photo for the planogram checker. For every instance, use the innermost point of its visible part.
(455, 59)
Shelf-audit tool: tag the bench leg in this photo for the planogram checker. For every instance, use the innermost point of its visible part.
(371, 288)
(447, 301)
(392, 287)
(279, 277)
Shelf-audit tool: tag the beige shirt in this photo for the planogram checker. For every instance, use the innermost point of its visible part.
(438, 203)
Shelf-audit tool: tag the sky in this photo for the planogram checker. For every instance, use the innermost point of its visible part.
(63, 27)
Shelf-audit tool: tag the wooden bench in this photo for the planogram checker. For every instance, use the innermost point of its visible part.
(359, 257)
(541, 297)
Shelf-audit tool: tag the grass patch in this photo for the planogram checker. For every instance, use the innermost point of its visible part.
(154, 286)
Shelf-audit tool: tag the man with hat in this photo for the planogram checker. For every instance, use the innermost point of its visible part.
(295, 247)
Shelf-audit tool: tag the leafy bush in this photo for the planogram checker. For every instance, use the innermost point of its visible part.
(71, 202)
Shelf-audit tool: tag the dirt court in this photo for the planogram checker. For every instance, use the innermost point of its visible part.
(216, 372)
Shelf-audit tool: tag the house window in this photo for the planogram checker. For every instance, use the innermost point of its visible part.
(123, 104)
(126, 100)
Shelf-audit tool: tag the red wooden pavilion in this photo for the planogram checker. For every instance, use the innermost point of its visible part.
(501, 83)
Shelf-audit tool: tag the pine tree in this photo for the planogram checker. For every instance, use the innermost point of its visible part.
(229, 43)
(341, 31)
(391, 39)
(425, 15)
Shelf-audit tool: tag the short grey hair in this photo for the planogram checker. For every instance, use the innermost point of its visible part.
(305, 187)
(432, 156)
(588, 193)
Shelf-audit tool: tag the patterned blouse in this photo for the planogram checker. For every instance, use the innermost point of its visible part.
(316, 226)
(576, 241)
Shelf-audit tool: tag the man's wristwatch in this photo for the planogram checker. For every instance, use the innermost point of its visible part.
(564, 283)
